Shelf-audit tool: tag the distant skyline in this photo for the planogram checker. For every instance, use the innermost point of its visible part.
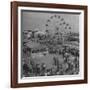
(38, 20)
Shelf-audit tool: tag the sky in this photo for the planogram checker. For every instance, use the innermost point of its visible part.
(33, 20)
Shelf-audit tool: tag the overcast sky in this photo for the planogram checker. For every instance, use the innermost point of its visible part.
(38, 20)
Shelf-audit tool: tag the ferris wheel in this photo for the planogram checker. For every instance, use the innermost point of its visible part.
(57, 23)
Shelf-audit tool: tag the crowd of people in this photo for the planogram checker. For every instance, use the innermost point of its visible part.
(69, 66)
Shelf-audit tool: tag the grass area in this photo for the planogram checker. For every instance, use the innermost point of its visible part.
(47, 59)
